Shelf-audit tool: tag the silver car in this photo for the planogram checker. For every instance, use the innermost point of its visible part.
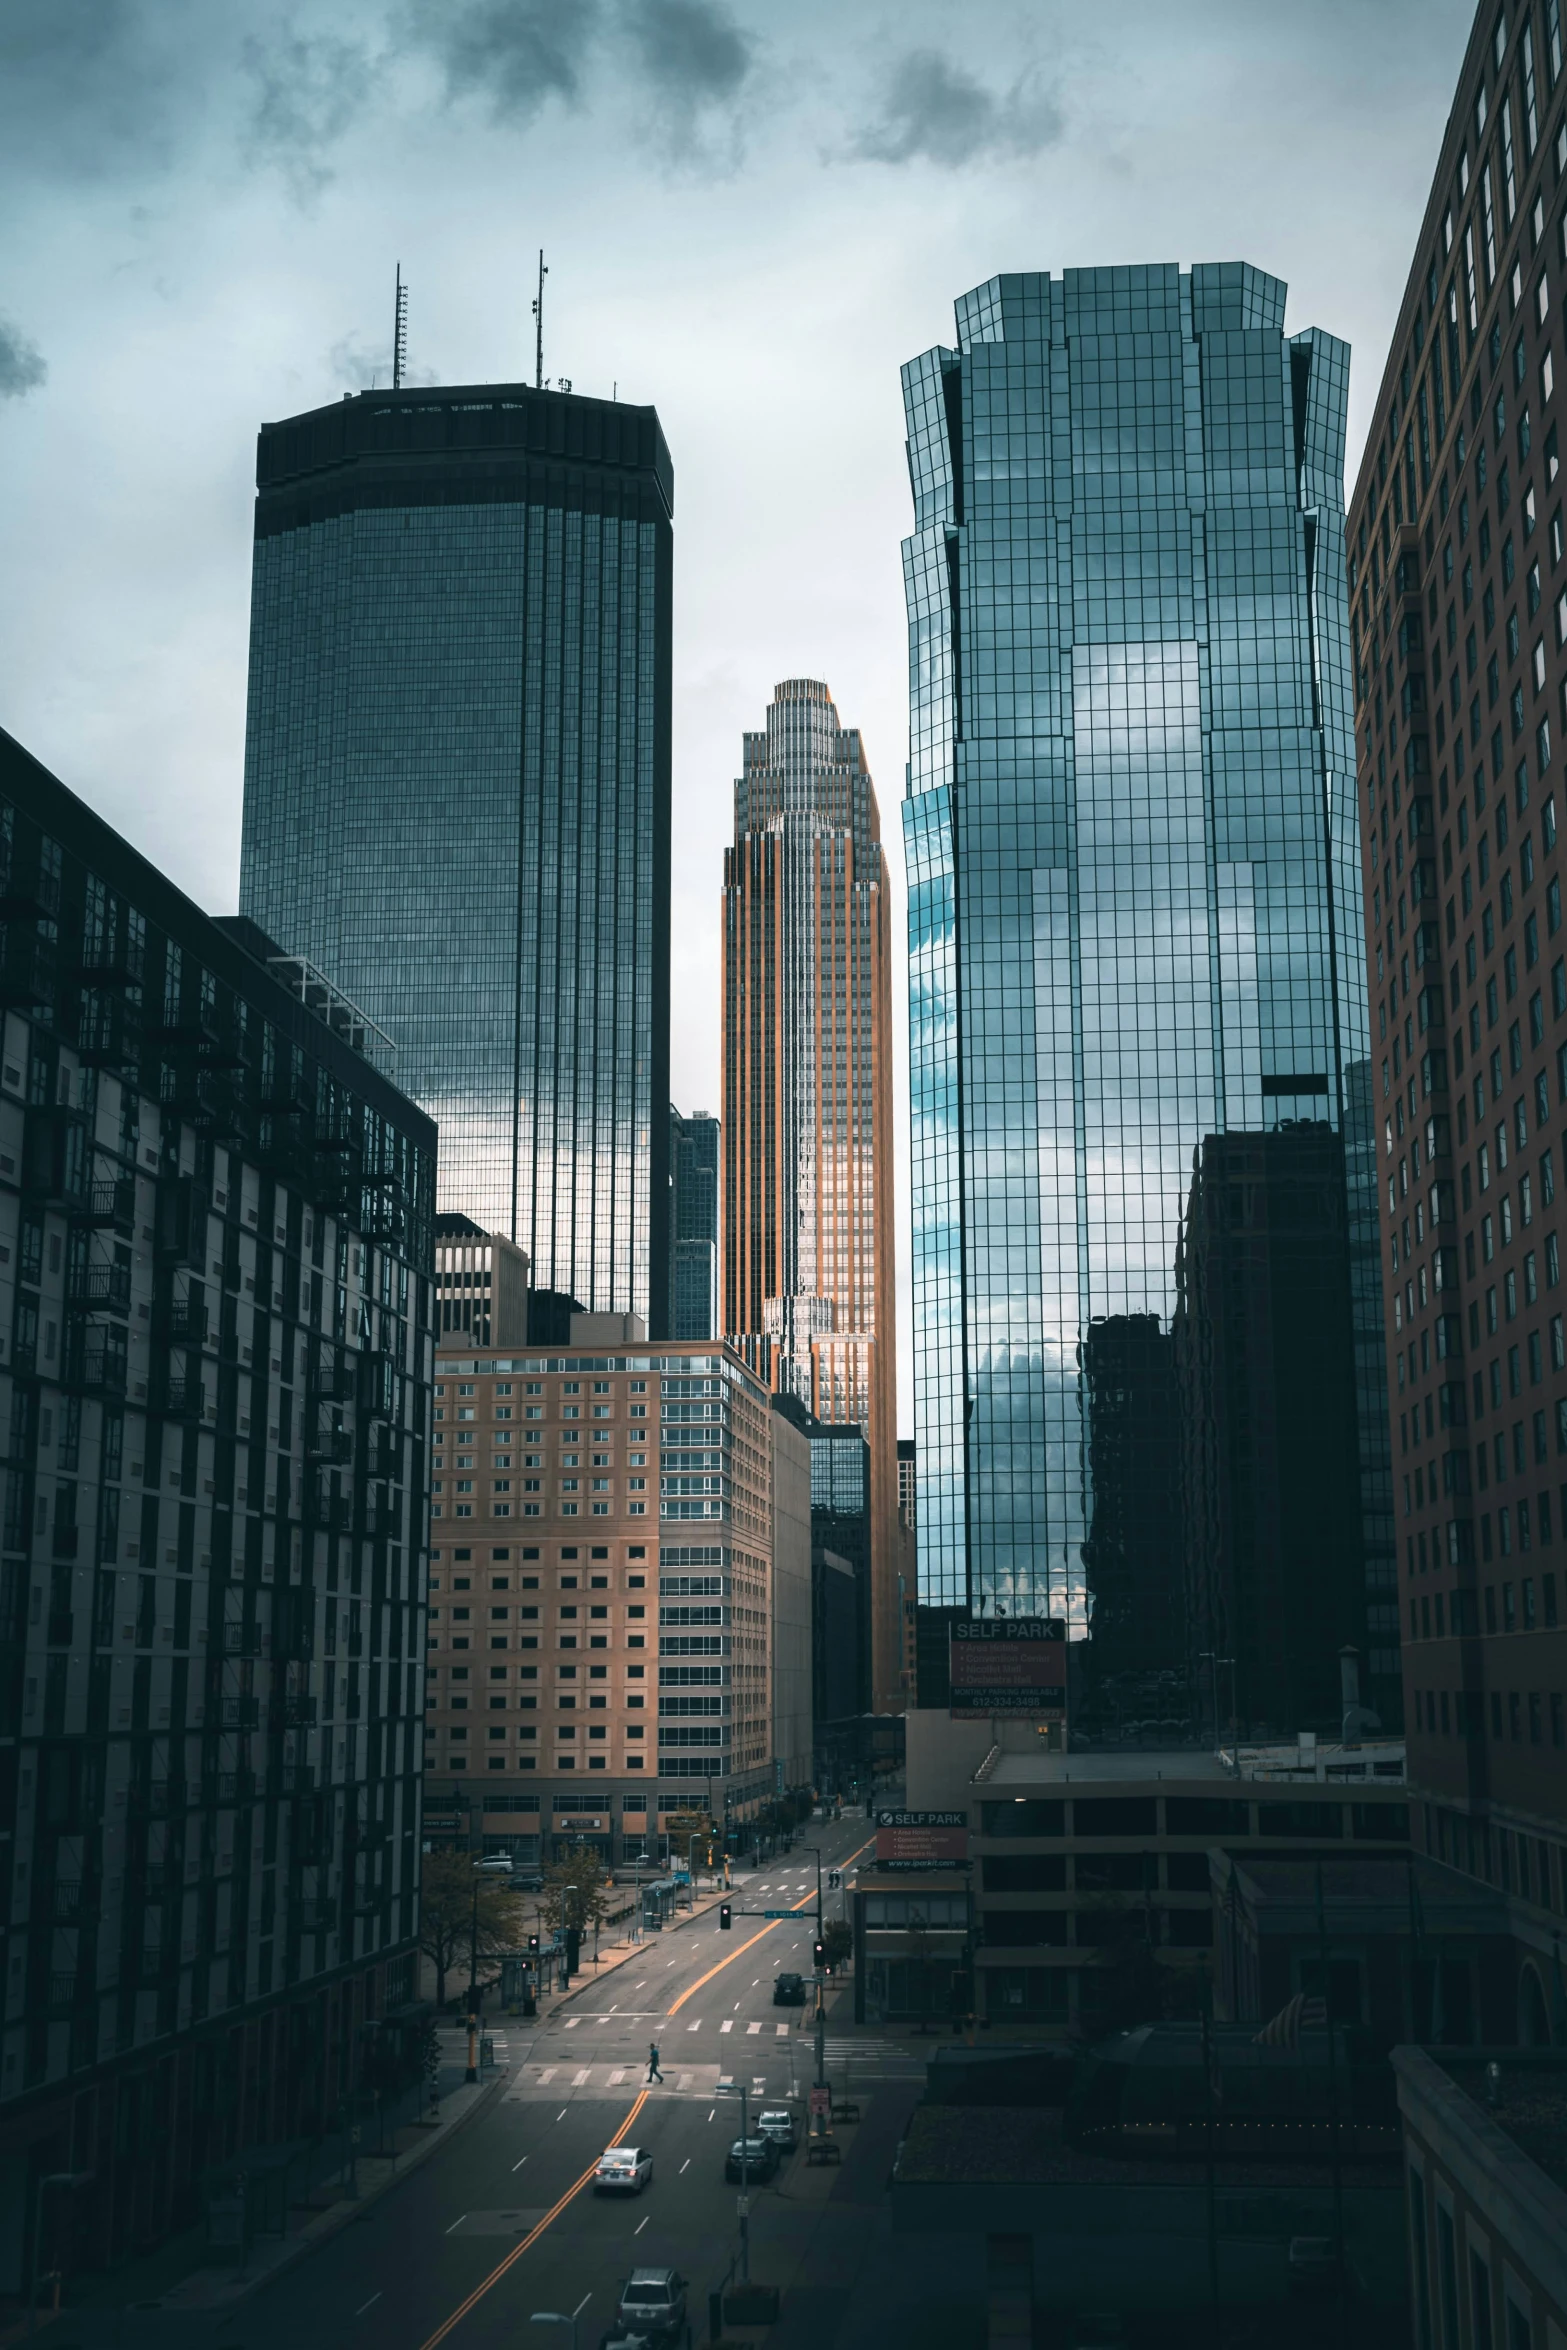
(652, 2302)
(778, 2124)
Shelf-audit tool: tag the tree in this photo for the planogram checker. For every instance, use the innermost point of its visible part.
(574, 1889)
(446, 1914)
(838, 1942)
(691, 1836)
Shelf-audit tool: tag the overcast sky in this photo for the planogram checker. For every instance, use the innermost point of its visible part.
(752, 215)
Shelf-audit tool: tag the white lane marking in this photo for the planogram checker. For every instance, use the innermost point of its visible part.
(728, 2024)
(582, 2305)
(753, 1986)
(737, 2003)
(641, 2224)
(457, 2222)
(560, 2117)
(696, 2027)
(753, 2027)
(516, 2166)
(684, 2080)
(669, 1962)
(548, 2074)
(781, 2031)
(577, 2079)
(710, 2116)
(618, 2075)
(610, 2012)
(364, 2305)
(686, 2165)
(572, 2022)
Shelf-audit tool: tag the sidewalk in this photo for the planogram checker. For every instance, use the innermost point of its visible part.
(613, 1955)
(178, 2276)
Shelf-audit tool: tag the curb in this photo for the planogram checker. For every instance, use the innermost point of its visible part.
(609, 1966)
(346, 2211)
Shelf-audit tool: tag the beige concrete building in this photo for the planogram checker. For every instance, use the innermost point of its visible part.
(600, 1592)
(481, 1286)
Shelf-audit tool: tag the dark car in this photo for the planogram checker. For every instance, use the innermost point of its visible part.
(751, 2158)
(788, 1991)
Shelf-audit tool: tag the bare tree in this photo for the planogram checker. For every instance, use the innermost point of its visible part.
(447, 1915)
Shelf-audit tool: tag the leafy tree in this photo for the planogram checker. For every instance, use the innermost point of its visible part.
(691, 1837)
(446, 1914)
(838, 1942)
(574, 1891)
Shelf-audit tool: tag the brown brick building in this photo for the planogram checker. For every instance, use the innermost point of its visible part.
(1458, 602)
(600, 1593)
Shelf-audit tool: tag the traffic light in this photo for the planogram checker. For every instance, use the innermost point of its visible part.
(819, 1959)
(533, 1945)
(725, 1918)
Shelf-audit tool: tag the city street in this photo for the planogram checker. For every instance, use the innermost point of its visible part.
(501, 2223)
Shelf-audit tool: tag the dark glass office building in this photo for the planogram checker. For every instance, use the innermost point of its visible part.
(693, 1224)
(216, 1242)
(1133, 873)
(457, 790)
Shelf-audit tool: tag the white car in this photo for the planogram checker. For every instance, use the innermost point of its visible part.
(778, 2124)
(623, 2170)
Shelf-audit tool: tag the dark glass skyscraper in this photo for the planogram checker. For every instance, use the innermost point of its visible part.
(1133, 864)
(457, 789)
(693, 1224)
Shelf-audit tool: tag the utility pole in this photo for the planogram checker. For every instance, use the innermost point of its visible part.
(538, 340)
(472, 2073)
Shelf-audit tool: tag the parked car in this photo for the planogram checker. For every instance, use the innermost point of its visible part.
(653, 2302)
(788, 1991)
(778, 2125)
(751, 2158)
(623, 2170)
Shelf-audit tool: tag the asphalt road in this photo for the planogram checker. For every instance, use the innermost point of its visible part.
(500, 2222)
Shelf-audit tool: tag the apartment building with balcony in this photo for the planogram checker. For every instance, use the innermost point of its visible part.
(216, 1221)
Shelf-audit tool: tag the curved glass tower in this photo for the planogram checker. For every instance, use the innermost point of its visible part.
(1133, 867)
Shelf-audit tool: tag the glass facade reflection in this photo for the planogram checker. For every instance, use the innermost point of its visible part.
(1133, 868)
(457, 790)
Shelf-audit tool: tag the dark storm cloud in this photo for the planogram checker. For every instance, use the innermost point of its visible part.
(90, 88)
(514, 54)
(938, 112)
(308, 92)
(22, 365)
(690, 49)
(689, 61)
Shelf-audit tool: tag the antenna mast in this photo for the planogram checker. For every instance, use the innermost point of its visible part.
(538, 340)
(400, 333)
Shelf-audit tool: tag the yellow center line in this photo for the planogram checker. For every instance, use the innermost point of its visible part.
(533, 2235)
(807, 1901)
(448, 2325)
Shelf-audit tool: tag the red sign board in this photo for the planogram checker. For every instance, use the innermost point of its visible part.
(921, 1839)
(1009, 1665)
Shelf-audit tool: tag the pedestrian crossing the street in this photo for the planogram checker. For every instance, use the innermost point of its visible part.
(790, 2076)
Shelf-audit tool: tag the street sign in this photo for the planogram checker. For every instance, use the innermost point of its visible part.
(772, 1913)
(821, 2102)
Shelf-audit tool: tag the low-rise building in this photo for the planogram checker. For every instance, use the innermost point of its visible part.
(1485, 2157)
(600, 1593)
(1082, 1868)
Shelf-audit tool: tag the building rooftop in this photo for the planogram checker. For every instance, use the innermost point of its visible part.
(1043, 1769)
(963, 2146)
(1523, 2096)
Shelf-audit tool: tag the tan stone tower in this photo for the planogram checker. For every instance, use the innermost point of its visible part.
(807, 1234)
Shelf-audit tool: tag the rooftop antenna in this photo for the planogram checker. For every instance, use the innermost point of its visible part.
(400, 333)
(538, 340)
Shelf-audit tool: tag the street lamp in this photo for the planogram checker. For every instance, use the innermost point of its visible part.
(733, 2088)
(472, 2073)
(555, 2317)
(821, 1988)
